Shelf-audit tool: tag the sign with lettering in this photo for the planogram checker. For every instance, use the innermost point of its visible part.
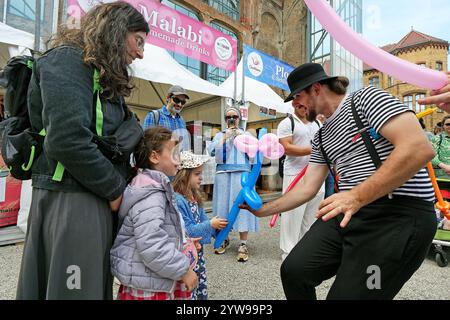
(267, 69)
(175, 31)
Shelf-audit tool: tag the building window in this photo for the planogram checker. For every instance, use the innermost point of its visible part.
(408, 101)
(420, 108)
(192, 65)
(422, 64)
(439, 66)
(390, 81)
(374, 81)
(214, 74)
(230, 8)
(24, 8)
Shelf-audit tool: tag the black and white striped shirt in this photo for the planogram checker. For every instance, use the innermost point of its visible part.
(348, 152)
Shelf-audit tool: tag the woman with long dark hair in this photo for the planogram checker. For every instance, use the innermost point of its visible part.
(76, 188)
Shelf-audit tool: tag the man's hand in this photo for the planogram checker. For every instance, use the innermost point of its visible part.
(115, 204)
(439, 97)
(258, 213)
(339, 203)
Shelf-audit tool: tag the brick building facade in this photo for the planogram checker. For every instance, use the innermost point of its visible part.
(420, 49)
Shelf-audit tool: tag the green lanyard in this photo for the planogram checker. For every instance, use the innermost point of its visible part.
(59, 171)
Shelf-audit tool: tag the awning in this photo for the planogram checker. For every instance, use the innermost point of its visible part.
(256, 92)
(159, 66)
(16, 37)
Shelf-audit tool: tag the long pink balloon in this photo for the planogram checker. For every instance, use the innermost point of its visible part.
(370, 54)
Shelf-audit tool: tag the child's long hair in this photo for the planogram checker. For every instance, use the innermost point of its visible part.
(153, 140)
(182, 186)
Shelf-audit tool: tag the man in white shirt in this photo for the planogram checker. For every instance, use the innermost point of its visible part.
(295, 133)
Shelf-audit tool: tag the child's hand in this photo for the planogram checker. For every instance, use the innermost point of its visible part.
(190, 279)
(196, 242)
(218, 223)
(115, 204)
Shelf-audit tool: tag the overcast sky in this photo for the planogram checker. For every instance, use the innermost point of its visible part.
(388, 21)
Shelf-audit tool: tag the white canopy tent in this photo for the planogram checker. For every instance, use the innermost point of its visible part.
(256, 92)
(14, 42)
(13, 36)
(159, 66)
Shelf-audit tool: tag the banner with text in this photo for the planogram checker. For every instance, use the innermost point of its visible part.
(264, 68)
(175, 31)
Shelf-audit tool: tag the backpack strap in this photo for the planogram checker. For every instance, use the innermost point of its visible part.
(327, 160)
(292, 122)
(97, 89)
(156, 117)
(98, 107)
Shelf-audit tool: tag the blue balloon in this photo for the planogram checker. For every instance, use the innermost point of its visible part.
(247, 194)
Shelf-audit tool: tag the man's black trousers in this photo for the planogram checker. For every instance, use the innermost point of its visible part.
(379, 250)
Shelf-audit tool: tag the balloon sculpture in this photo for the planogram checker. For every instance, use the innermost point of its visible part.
(290, 187)
(370, 54)
(441, 205)
(267, 146)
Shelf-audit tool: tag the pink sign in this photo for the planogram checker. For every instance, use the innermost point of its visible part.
(175, 31)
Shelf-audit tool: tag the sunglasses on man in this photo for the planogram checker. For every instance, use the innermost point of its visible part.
(232, 117)
(178, 101)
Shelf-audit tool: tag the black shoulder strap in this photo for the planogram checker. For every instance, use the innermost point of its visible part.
(328, 161)
(292, 123)
(318, 124)
(322, 149)
(365, 136)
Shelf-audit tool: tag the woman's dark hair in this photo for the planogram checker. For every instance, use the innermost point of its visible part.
(153, 140)
(102, 37)
(443, 120)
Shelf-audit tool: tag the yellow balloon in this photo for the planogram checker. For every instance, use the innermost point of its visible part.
(425, 113)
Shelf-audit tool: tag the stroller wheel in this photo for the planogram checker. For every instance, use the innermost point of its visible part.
(441, 260)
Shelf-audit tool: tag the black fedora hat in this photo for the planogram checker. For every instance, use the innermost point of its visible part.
(303, 76)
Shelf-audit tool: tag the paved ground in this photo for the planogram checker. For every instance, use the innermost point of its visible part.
(256, 279)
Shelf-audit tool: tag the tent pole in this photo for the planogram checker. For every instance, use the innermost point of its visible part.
(37, 26)
(235, 85)
(157, 93)
(243, 92)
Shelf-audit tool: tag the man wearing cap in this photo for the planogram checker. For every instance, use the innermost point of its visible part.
(375, 233)
(169, 115)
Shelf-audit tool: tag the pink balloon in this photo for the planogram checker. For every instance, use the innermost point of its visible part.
(271, 147)
(247, 144)
(370, 54)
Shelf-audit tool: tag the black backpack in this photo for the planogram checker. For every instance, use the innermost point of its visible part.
(283, 158)
(19, 145)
